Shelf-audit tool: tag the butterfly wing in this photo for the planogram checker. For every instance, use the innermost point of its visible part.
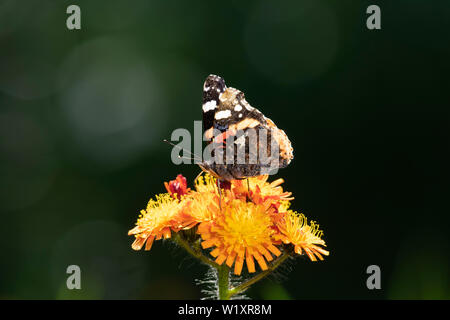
(213, 87)
(226, 108)
(228, 116)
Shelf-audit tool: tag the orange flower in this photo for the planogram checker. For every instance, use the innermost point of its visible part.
(157, 221)
(248, 222)
(293, 228)
(199, 207)
(260, 185)
(242, 231)
(206, 183)
(177, 187)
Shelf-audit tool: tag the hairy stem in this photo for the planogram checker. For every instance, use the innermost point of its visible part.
(223, 281)
(194, 251)
(245, 285)
(223, 271)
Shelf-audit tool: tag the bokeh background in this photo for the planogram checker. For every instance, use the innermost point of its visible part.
(83, 114)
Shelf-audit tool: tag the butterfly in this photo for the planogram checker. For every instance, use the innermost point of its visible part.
(255, 145)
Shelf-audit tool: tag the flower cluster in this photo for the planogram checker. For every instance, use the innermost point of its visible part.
(248, 221)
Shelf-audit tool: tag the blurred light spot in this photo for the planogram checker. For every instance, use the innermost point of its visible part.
(273, 291)
(130, 15)
(110, 269)
(292, 41)
(94, 293)
(28, 165)
(26, 76)
(31, 48)
(111, 100)
(422, 268)
(13, 15)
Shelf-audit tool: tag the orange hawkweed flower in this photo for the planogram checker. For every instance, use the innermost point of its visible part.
(260, 185)
(157, 221)
(293, 228)
(199, 207)
(206, 183)
(241, 232)
(247, 223)
(178, 187)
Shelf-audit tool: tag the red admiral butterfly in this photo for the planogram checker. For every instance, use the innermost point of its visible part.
(232, 124)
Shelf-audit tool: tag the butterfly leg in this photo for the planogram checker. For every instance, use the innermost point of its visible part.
(198, 176)
(220, 194)
(248, 189)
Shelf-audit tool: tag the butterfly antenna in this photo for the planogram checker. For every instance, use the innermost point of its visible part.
(187, 158)
(195, 157)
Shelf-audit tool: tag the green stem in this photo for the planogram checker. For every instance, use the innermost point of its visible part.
(223, 273)
(194, 251)
(245, 285)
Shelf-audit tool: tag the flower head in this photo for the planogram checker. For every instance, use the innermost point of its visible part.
(249, 220)
(206, 183)
(157, 221)
(200, 207)
(241, 232)
(260, 185)
(294, 229)
(178, 187)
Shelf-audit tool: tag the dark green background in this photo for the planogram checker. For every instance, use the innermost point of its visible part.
(83, 114)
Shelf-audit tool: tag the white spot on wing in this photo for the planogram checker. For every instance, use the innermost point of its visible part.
(210, 105)
(222, 114)
(238, 108)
